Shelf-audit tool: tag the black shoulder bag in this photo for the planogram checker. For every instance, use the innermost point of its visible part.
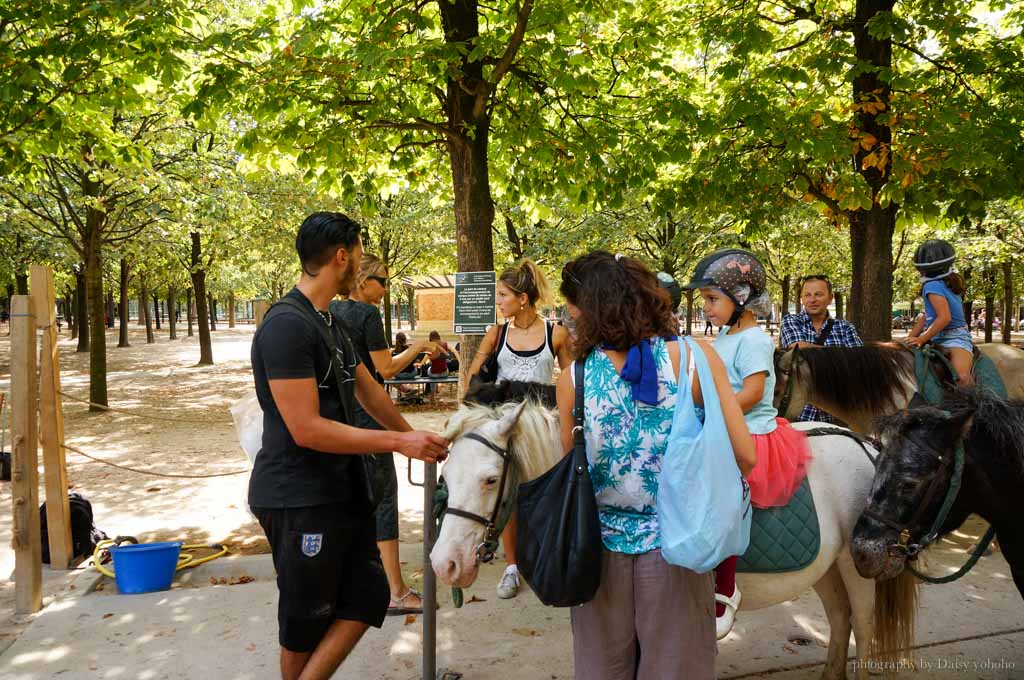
(826, 330)
(558, 545)
(489, 370)
(348, 407)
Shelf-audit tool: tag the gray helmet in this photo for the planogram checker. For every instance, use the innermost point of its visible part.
(737, 273)
(934, 258)
(671, 286)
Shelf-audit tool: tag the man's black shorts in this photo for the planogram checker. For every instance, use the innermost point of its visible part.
(328, 568)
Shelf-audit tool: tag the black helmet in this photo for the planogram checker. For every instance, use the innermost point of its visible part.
(934, 257)
(736, 272)
(671, 286)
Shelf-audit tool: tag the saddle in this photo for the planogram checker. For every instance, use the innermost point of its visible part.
(783, 539)
(933, 372)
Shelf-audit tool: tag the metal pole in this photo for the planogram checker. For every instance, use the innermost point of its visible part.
(429, 578)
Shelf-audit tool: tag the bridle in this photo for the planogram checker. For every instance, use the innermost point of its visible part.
(905, 547)
(493, 526)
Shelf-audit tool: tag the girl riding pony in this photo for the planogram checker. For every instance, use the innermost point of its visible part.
(733, 285)
(944, 322)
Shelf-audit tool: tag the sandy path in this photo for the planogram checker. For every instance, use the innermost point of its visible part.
(162, 380)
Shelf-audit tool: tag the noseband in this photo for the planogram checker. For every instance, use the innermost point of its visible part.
(493, 526)
(904, 547)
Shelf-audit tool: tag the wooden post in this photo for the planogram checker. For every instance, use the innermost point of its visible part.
(51, 422)
(28, 565)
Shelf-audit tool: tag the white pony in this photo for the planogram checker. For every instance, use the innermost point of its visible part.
(840, 479)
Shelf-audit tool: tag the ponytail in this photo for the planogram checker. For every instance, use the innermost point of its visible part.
(956, 284)
(528, 279)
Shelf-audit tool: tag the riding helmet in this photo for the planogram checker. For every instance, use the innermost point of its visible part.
(671, 286)
(736, 272)
(934, 257)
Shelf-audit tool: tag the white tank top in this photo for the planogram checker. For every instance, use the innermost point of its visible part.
(536, 365)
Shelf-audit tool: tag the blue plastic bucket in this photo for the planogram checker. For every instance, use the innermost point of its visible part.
(146, 567)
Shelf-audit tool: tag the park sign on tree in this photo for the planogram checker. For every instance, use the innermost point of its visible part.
(514, 100)
(880, 113)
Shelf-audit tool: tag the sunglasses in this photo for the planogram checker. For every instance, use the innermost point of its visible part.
(816, 277)
(566, 274)
(379, 279)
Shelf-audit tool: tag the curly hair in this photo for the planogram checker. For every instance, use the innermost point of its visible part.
(619, 300)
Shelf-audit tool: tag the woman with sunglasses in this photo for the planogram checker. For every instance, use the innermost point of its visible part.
(361, 314)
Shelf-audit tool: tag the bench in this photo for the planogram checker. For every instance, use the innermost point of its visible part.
(450, 380)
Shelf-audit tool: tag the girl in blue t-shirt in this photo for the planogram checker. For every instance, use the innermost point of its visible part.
(944, 322)
(733, 283)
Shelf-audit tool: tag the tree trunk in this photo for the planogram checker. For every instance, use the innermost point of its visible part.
(70, 310)
(142, 307)
(839, 305)
(21, 283)
(81, 309)
(188, 310)
(990, 311)
(231, 310)
(92, 247)
(213, 312)
(1007, 326)
(111, 311)
(147, 319)
(172, 319)
(689, 311)
(469, 125)
(199, 285)
(786, 283)
(387, 314)
(122, 333)
(871, 230)
(156, 310)
(411, 297)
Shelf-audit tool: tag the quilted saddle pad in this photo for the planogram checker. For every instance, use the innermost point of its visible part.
(783, 539)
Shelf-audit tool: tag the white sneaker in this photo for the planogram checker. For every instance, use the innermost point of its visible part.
(724, 623)
(508, 586)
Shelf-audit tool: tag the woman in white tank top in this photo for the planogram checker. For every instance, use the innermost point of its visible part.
(526, 347)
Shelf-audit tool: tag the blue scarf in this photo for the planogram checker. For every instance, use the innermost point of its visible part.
(641, 371)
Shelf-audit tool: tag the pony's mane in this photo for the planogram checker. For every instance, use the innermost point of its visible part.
(535, 442)
(863, 379)
(997, 423)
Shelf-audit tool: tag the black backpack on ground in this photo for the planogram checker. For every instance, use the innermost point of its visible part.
(84, 534)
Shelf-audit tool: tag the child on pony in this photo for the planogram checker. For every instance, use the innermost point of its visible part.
(733, 283)
(944, 322)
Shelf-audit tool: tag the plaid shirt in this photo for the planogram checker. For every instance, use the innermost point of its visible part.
(799, 328)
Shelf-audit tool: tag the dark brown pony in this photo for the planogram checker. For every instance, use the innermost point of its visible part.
(913, 478)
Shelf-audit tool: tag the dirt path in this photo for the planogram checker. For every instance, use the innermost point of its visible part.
(162, 380)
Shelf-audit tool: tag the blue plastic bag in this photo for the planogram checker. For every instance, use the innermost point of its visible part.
(703, 501)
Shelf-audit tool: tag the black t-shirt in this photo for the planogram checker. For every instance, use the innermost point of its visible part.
(367, 331)
(285, 474)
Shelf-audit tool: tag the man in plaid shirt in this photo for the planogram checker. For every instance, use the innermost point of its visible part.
(805, 329)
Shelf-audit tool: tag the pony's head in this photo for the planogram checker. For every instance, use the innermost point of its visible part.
(912, 479)
(528, 433)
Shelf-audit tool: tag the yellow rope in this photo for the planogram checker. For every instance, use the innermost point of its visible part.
(136, 414)
(148, 472)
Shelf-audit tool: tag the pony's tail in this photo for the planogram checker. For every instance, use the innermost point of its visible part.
(895, 619)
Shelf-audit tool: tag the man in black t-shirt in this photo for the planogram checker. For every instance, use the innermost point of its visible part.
(311, 496)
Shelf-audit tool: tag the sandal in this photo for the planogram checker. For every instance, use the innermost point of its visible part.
(398, 607)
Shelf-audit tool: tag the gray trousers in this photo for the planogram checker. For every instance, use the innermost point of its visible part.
(646, 608)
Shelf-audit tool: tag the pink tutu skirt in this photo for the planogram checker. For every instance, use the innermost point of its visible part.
(782, 458)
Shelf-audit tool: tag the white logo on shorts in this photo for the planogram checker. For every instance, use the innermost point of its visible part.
(311, 544)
